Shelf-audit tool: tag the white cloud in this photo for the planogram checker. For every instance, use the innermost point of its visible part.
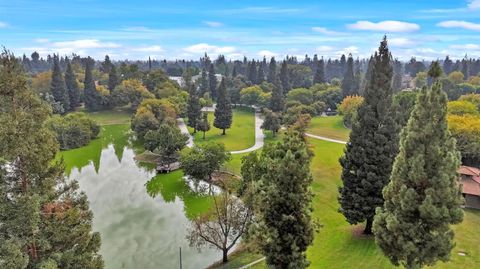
(385, 26)
(213, 23)
(85, 44)
(267, 53)
(324, 49)
(325, 31)
(3, 24)
(154, 48)
(466, 47)
(204, 47)
(41, 40)
(460, 24)
(349, 50)
(401, 42)
(474, 4)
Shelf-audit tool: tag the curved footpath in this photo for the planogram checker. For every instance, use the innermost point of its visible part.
(259, 136)
(325, 138)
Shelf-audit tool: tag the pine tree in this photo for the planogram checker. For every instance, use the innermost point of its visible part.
(423, 197)
(343, 64)
(112, 78)
(212, 82)
(223, 110)
(283, 209)
(203, 124)
(348, 82)
(252, 72)
(465, 68)
(58, 87)
(369, 155)
(272, 71)
(261, 74)
(284, 78)
(203, 84)
(447, 65)
(319, 76)
(45, 222)
(106, 65)
(277, 101)
(92, 97)
(194, 108)
(72, 86)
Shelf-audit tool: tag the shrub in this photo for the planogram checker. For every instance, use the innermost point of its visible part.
(73, 130)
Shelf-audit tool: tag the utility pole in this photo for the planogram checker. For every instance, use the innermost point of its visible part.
(180, 257)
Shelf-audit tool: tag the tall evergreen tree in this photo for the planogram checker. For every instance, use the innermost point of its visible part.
(194, 109)
(284, 77)
(260, 74)
(223, 110)
(212, 82)
(72, 86)
(58, 87)
(272, 71)
(106, 65)
(252, 72)
(277, 101)
(368, 158)
(203, 84)
(465, 68)
(423, 197)
(283, 209)
(319, 76)
(348, 82)
(113, 80)
(45, 222)
(447, 65)
(92, 97)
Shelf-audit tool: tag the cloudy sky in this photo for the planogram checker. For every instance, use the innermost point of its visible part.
(186, 29)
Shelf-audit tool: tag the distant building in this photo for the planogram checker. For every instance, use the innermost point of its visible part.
(470, 180)
(181, 81)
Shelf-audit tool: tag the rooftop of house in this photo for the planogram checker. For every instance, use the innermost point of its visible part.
(470, 186)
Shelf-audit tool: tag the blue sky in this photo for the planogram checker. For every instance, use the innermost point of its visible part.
(186, 29)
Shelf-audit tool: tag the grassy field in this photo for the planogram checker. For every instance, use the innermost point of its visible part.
(114, 116)
(240, 136)
(331, 127)
(338, 245)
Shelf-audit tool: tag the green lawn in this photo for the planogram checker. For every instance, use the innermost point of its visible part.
(240, 136)
(336, 246)
(121, 115)
(331, 127)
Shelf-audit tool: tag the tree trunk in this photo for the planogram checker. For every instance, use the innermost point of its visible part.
(204, 135)
(368, 226)
(223, 133)
(225, 256)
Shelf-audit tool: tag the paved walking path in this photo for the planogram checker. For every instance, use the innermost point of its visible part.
(326, 138)
(259, 136)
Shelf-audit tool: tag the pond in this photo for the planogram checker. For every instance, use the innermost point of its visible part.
(142, 217)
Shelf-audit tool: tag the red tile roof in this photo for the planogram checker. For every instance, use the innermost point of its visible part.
(471, 185)
(468, 170)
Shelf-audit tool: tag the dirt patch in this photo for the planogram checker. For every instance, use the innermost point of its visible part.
(357, 232)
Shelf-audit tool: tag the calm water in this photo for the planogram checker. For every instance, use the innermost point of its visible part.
(142, 218)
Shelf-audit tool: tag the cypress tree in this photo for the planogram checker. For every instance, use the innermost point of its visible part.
(193, 108)
(277, 101)
(212, 82)
(203, 84)
(223, 110)
(252, 72)
(283, 208)
(319, 76)
(72, 86)
(92, 97)
(423, 197)
(447, 65)
(58, 87)
(261, 74)
(272, 70)
(284, 78)
(348, 82)
(369, 155)
(112, 78)
(465, 68)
